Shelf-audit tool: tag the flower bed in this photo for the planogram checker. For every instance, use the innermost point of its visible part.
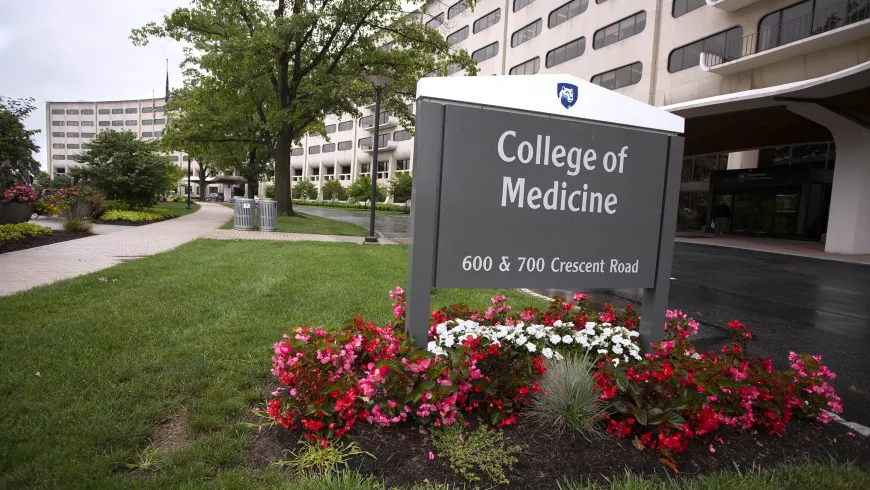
(487, 364)
(137, 217)
(18, 231)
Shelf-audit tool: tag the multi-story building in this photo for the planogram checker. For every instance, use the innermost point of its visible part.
(682, 55)
(72, 125)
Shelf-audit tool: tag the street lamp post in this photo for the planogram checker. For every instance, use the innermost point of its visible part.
(189, 158)
(379, 82)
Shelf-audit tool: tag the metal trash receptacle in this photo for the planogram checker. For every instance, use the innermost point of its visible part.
(267, 214)
(243, 215)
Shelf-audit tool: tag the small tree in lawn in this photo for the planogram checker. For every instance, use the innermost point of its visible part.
(304, 189)
(400, 187)
(361, 190)
(333, 190)
(17, 165)
(126, 168)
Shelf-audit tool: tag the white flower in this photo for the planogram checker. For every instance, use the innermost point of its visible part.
(522, 339)
(555, 339)
(602, 351)
(617, 349)
(616, 362)
(532, 347)
(448, 341)
(558, 323)
(567, 339)
(441, 329)
(547, 352)
(558, 356)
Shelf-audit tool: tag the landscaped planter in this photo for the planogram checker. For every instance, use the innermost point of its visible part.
(15, 212)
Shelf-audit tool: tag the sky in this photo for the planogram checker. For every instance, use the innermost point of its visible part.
(62, 50)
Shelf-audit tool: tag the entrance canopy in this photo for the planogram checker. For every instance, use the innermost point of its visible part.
(759, 118)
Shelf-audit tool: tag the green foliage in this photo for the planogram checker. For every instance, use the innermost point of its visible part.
(270, 191)
(471, 452)
(333, 190)
(393, 208)
(569, 399)
(360, 190)
(311, 457)
(17, 146)
(152, 214)
(173, 177)
(44, 207)
(400, 187)
(126, 168)
(42, 181)
(61, 181)
(17, 231)
(146, 460)
(304, 189)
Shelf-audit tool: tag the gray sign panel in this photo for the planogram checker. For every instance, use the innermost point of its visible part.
(533, 201)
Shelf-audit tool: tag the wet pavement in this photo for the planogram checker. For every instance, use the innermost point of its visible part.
(390, 225)
(789, 303)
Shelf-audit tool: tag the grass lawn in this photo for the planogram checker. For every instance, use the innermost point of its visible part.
(90, 366)
(179, 208)
(315, 225)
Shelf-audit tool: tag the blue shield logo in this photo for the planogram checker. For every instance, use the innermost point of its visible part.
(567, 93)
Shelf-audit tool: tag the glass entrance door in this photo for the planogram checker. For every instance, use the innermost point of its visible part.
(766, 212)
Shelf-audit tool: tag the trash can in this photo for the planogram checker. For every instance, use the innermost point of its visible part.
(267, 214)
(243, 216)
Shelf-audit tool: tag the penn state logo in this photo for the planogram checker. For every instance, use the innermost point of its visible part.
(567, 94)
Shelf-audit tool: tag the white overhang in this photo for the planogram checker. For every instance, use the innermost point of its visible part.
(539, 94)
(730, 5)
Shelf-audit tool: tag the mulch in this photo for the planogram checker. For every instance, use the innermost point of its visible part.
(57, 236)
(402, 454)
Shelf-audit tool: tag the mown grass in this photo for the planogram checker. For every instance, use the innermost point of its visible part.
(315, 225)
(90, 366)
(179, 208)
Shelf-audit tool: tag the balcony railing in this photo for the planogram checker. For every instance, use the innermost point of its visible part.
(797, 29)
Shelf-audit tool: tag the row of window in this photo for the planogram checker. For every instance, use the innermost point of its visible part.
(90, 112)
(58, 134)
(401, 135)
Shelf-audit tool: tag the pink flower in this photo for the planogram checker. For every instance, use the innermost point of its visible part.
(580, 296)
(431, 455)
(712, 449)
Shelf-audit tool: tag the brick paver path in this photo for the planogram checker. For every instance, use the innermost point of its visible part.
(26, 269)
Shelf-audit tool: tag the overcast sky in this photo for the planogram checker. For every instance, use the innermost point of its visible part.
(62, 50)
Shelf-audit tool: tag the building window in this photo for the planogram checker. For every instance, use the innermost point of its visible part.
(72, 135)
(620, 77)
(88, 135)
(58, 145)
(106, 123)
(453, 68)
(330, 129)
(72, 123)
(146, 110)
(104, 111)
(699, 168)
(72, 112)
(160, 121)
(722, 43)
(74, 158)
(685, 6)
(402, 135)
(521, 4)
(158, 108)
(620, 30)
(59, 171)
(328, 148)
(807, 18)
(345, 145)
(566, 52)
(57, 134)
(117, 111)
(345, 125)
(145, 122)
(365, 143)
(57, 123)
(403, 165)
(383, 139)
(87, 123)
(569, 10)
(365, 168)
(436, 21)
(295, 152)
(458, 36)
(158, 134)
(117, 123)
(85, 146)
(314, 150)
(185, 158)
(487, 20)
(526, 33)
(485, 52)
(73, 146)
(57, 111)
(456, 9)
(131, 123)
(58, 157)
(316, 134)
(369, 121)
(131, 110)
(87, 112)
(528, 68)
(147, 134)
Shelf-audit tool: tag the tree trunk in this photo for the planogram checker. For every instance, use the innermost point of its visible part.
(202, 186)
(282, 173)
(253, 179)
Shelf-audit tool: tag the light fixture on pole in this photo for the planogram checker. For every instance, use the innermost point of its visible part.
(379, 82)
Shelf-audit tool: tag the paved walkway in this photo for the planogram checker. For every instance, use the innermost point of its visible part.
(813, 250)
(43, 265)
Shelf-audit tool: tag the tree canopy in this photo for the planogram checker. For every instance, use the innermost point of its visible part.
(400, 187)
(303, 60)
(17, 146)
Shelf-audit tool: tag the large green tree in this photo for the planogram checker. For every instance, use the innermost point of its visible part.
(126, 168)
(400, 187)
(17, 146)
(310, 57)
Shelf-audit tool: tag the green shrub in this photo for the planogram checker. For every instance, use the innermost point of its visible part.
(398, 208)
(152, 214)
(569, 398)
(270, 191)
(482, 450)
(17, 231)
(44, 207)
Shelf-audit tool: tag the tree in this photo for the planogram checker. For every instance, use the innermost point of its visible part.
(400, 187)
(310, 58)
(61, 181)
(360, 190)
(269, 190)
(205, 171)
(304, 189)
(17, 146)
(333, 190)
(126, 168)
(173, 177)
(42, 181)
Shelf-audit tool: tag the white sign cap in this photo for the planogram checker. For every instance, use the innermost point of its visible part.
(560, 95)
